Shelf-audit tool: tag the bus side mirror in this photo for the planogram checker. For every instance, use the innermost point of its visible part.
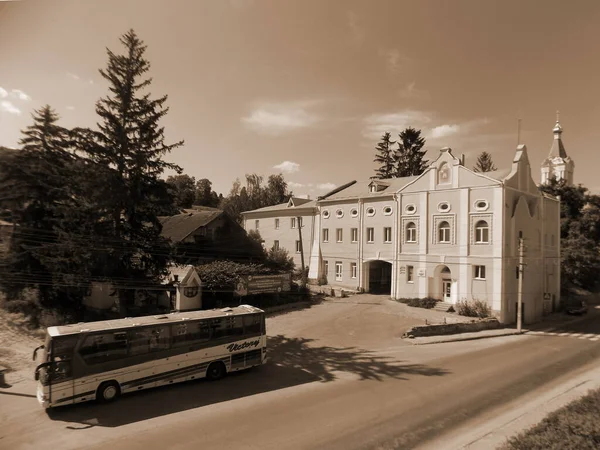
(36, 350)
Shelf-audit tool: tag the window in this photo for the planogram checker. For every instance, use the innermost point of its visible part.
(277, 224)
(410, 209)
(481, 205)
(339, 235)
(410, 274)
(354, 234)
(300, 222)
(338, 271)
(387, 235)
(105, 347)
(482, 232)
(256, 222)
(151, 339)
(325, 234)
(354, 212)
(326, 214)
(293, 222)
(411, 232)
(275, 245)
(353, 270)
(326, 267)
(552, 240)
(370, 211)
(479, 272)
(339, 213)
(227, 326)
(444, 232)
(251, 324)
(298, 247)
(444, 207)
(387, 210)
(371, 235)
(190, 291)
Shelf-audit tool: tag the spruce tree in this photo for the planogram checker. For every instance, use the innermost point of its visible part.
(409, 155)
(385, 158)
(130, 146)
(484, 163)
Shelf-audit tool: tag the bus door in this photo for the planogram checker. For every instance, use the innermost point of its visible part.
(59, 372)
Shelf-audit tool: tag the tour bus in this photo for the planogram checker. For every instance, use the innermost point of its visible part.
(101, 360)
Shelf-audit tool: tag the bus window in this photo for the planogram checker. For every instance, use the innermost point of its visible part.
(146, 340)
(252, 324)
(190, 333)
(228, 326)
(104, 347)
(61, 352)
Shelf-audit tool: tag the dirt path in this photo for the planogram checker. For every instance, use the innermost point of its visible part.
(16, 346)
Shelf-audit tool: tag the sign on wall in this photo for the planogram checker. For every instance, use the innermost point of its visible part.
(262, 284)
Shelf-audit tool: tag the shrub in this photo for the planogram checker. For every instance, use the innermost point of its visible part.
(225, 274)
(574, 426)
(322, 280)
(427, 302)
(279, 259)
(473, 308)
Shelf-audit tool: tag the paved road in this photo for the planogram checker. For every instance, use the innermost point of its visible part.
(339, 378)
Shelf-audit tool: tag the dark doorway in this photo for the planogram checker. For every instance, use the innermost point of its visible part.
(380, 277)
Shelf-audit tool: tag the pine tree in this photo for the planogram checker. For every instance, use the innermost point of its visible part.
(39, 189)
(484, 163)
(129, 146)
(384, 157)
(409, 155)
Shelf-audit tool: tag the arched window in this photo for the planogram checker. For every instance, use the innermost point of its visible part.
(411, 232)
(190, 291)
(482, 232)
(444, 232)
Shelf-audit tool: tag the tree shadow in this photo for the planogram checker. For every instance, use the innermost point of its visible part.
(292, 362)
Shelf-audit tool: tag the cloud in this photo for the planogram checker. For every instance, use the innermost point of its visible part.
(17, 93)
(294, 185)
(279, 118)
(288, 167)
(73, 76)
(326, 186)
(70, 108)
(444, 131)
(412, 92)
(3, 93)
(358, 34)
(395, 60)
(376, 125)
(8, 107)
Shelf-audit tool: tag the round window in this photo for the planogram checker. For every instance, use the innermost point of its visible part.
(387, 210)
(339, 213)
(190, 291)
(370, 211)
(325, 214)
(481, 205)
(410, 209)
(444, 207)
(354, 212)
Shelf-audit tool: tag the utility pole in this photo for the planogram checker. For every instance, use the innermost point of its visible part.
(299, 222)
(520, 291)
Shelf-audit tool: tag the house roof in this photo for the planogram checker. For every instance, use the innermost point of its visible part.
(499, 174)
(361, 188)
(178, 227)
(292, 204)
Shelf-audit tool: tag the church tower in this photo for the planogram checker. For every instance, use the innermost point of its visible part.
(558, 164)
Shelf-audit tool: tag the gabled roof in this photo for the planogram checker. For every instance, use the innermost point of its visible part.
(361, 188)
(292, 204)
(499, 174)
(178, 227)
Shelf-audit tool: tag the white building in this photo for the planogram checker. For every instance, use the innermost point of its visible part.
(449, 233)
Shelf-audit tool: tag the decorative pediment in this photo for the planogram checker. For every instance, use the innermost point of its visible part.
(378, 186)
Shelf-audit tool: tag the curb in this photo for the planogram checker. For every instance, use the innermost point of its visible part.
(458, 338)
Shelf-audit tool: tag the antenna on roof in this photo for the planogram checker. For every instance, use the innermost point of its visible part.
(518, 131)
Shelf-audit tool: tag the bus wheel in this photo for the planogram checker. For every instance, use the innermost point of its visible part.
(108, 392)
(216, 371)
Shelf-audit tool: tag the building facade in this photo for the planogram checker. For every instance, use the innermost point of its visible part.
(449, 233)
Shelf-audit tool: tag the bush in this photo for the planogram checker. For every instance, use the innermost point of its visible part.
(219, 275)
(574, 426)
(427, 302)
(473, 308)
(279, 259)
(322, 280)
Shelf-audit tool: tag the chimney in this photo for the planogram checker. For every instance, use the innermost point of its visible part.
(462, 159)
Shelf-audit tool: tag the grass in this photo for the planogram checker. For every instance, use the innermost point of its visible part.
(427, 303)
(573, 427)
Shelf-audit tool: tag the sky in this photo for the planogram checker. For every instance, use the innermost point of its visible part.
(307, 87)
